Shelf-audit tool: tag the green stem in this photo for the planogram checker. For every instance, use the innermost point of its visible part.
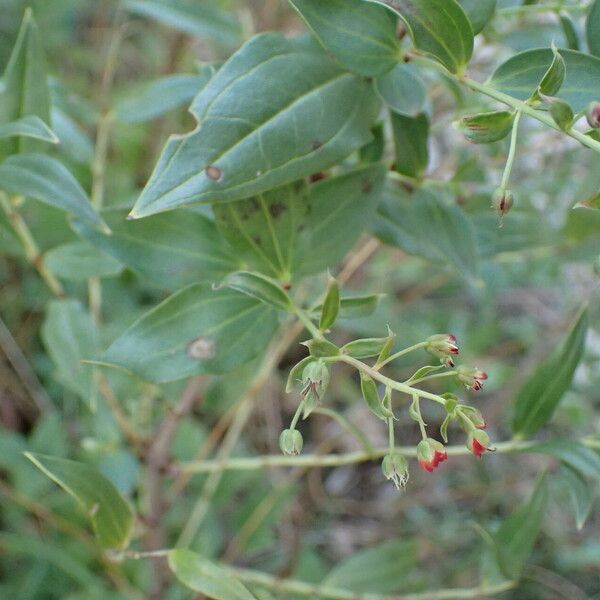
(401, 353)
(511, 151)
(310, 326)
(297, 415)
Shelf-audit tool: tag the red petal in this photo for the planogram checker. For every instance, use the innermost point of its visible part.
(477, 448)
(427, 466)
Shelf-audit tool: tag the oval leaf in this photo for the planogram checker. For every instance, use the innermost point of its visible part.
(361, 36)
(259, 286)
(411, 135)
(78, 261)
(538, 398)
(316, 115)
(402, 91)
(438, 27)
(365, 348)
(195, 331)
(201, 575)
(111, 516)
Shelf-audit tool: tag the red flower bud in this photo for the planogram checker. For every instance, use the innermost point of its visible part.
(478, 442)
(503, 201)
(430, 453)
(471, 377)
(443, 346)
(593, 115)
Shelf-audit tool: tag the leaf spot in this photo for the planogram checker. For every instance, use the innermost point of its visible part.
(214, 173)
(202, 348)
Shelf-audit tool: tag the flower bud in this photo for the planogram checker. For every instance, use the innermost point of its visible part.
(471, 377)
(291, 442)
(478, 442)
(502, 201)
(475, 417)
(395, 468)
(443, 346)
(430, 453)
(593, 115)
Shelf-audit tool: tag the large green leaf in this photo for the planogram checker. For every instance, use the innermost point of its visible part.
(381, 569)
(195, 331)
(25, 90)
(538, 398)
(341, 208)
(160, 96)
(70, 336)
(592, 28)
(439, 27)
(582, 496)
(361, 37)
(411, 137)
(29, 126)
(402, 90)
(78, 261)
(278, 110)
(45, 179)
(424, 225)
(201, 575)
(573, 454)
(172, 249)
(268, 230)
(520, 75)
(196, 18)
(479, 12)
(111, 516)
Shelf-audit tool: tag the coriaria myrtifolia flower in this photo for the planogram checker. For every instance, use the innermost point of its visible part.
(471, 377)
(395, 468)
(430, 453)
(443, 346)
(478, 442)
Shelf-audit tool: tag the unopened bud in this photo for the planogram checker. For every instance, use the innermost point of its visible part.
(395, 468)
(478, 442)
(291, 442)
(443, 346)
(593, 115)
(315, 379)
(430, 453)
(502, 201)
(471, 377)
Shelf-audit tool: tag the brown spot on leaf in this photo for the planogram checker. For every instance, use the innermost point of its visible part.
(366, 186)
(202, 348)
(317, 177)
(276, 209)
(256, 239)
(214, 173)
(316, 145)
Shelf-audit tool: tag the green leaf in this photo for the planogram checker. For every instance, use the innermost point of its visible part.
(364, 348)
(45, 179)
(341, 208)
(402, 90)
(321, 348)
(266, 229)
(374, 150)
(172, 249)
(295, 375)
(111, 516)
(372, 399)
(201, 575)
(331, 305)
(75, 144)
(569, 30)
(561, 113)
(78, 261)
(354, 307)
(592, 28)
(423, 372)
(30, 126)
(422, 224)
(316, 115)
(411, 135)
(487, 127)
(381, 569)
(539, 396)
(479, 12)
(573, 454)
(439, 27)
(25, 89)
(195, 331)
(554, 77)
(160, 96)
(70, 336)
(516, 537)
(520, 75)
(259, 286)
(581, 494)
(198, 19)
(360, 36)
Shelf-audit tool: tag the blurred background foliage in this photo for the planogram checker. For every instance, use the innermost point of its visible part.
(508, 298)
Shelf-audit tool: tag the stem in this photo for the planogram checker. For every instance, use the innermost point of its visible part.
(334, 460)
(400, 353)
(307, 322)
(511, 151)
(420, 417)
(296, 415)
(32, 251)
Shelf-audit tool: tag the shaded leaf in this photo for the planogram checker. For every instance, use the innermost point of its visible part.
(201, 575)
(195, 331)
(554, 77)
(355, 307)
(402, 90)
(581, 494)
(30, 126)
(78, 261)
(479, 12)
(312, 117)
(361, 36)
(111, 516)
(572, 453)
(45, 179)
(411, 135)
(538, 398)
(259, 286)
(592, 28)
(331, 305)
(570, 32)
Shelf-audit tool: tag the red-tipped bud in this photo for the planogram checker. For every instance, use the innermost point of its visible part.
(430, 453)
(593, 115)
(502, 201)
(478, 442)
(443, 346)
(471, 377)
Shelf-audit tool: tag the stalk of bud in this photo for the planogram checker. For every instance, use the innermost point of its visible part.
(291, 442)
(471, 377)
(442, 346)
(430, 453)
(395, 468)
(478, 442)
